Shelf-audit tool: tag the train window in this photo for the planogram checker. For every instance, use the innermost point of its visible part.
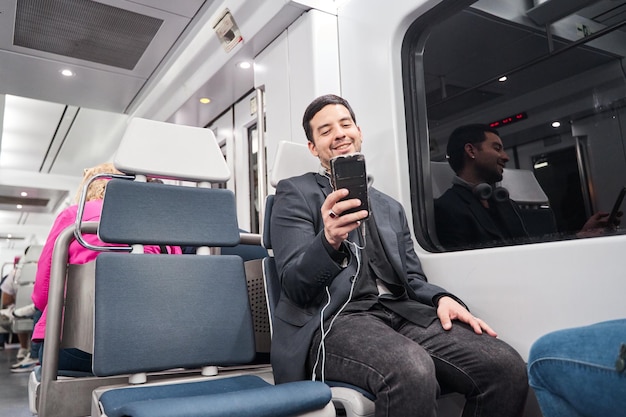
(553, 87)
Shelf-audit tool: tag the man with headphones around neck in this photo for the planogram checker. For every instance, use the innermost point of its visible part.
(474, 212)
(355, 305)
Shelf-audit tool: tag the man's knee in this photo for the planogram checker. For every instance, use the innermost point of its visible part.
(416, 367)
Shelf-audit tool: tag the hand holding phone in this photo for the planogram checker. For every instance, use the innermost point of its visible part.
(348, 171)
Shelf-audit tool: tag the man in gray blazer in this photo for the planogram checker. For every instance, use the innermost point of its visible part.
(355, 305)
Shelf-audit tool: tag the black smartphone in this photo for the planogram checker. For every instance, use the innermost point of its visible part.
(616, 207)
(348, 171)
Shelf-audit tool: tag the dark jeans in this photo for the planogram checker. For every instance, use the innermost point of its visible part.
(69, 359)
(35, 346)
(403, 365)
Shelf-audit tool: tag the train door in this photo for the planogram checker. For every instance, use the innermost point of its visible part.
(559, 175)
(237, 133)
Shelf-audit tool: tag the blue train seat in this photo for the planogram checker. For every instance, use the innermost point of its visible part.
(156, 312)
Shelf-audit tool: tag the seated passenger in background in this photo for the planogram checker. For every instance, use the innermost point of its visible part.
(26, 357)
(580, 372)
(75, 359)
(355, 305)
(474, 212)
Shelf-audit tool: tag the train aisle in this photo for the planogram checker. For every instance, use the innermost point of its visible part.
(13, 387)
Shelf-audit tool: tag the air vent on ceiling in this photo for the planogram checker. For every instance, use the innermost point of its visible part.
(24, 201)
(4, 236)
(84, 29)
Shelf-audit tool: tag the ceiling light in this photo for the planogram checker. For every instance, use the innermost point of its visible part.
(556, 124)
(19, 206)
(503, 78)
(67, 73)
(23, 193)
(244, 65)
(9, 236)
(205, 100)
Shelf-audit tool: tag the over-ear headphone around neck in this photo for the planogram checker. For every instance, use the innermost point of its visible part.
(484, 191)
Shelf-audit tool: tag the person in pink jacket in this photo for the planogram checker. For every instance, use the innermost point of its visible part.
(74, 359)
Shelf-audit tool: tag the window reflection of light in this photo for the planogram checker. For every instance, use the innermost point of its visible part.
(541, 164)
(556, 124)
(503, 78)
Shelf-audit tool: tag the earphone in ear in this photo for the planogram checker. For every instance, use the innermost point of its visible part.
(484, 191)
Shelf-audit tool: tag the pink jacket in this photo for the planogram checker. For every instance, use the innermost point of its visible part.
(77, 254)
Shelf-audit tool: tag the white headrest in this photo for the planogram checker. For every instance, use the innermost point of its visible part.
(441, 177)
(34, 251)
(168, 150)
(523, 186)
(292, 159)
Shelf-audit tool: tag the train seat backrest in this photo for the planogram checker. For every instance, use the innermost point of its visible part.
(178, 311)
(292, 159)
(523, 187)
(441, 177)
(522, 184)
(32, 255)
(25, 283)
(532, 200)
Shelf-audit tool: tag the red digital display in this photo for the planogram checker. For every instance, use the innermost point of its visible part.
(508, 120)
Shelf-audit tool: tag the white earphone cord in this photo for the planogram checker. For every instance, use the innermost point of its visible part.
(321, 351)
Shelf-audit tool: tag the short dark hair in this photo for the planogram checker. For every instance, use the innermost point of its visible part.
(473, 133)
(317, 105)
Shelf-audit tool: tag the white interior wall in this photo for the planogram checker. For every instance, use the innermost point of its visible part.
(301, 64)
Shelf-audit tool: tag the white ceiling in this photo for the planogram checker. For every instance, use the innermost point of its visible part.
(53, 126)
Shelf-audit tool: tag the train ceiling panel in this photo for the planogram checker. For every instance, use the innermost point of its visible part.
(112, 46)
(54, 126)
(85, 30)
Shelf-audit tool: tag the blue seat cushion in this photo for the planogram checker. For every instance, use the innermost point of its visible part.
(246, 395)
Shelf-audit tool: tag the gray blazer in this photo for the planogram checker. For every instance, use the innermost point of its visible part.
(305, 267)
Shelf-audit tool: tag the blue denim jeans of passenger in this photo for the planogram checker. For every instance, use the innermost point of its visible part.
(404, 365)
(69, 359)
(573, 371)
(35, 346)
